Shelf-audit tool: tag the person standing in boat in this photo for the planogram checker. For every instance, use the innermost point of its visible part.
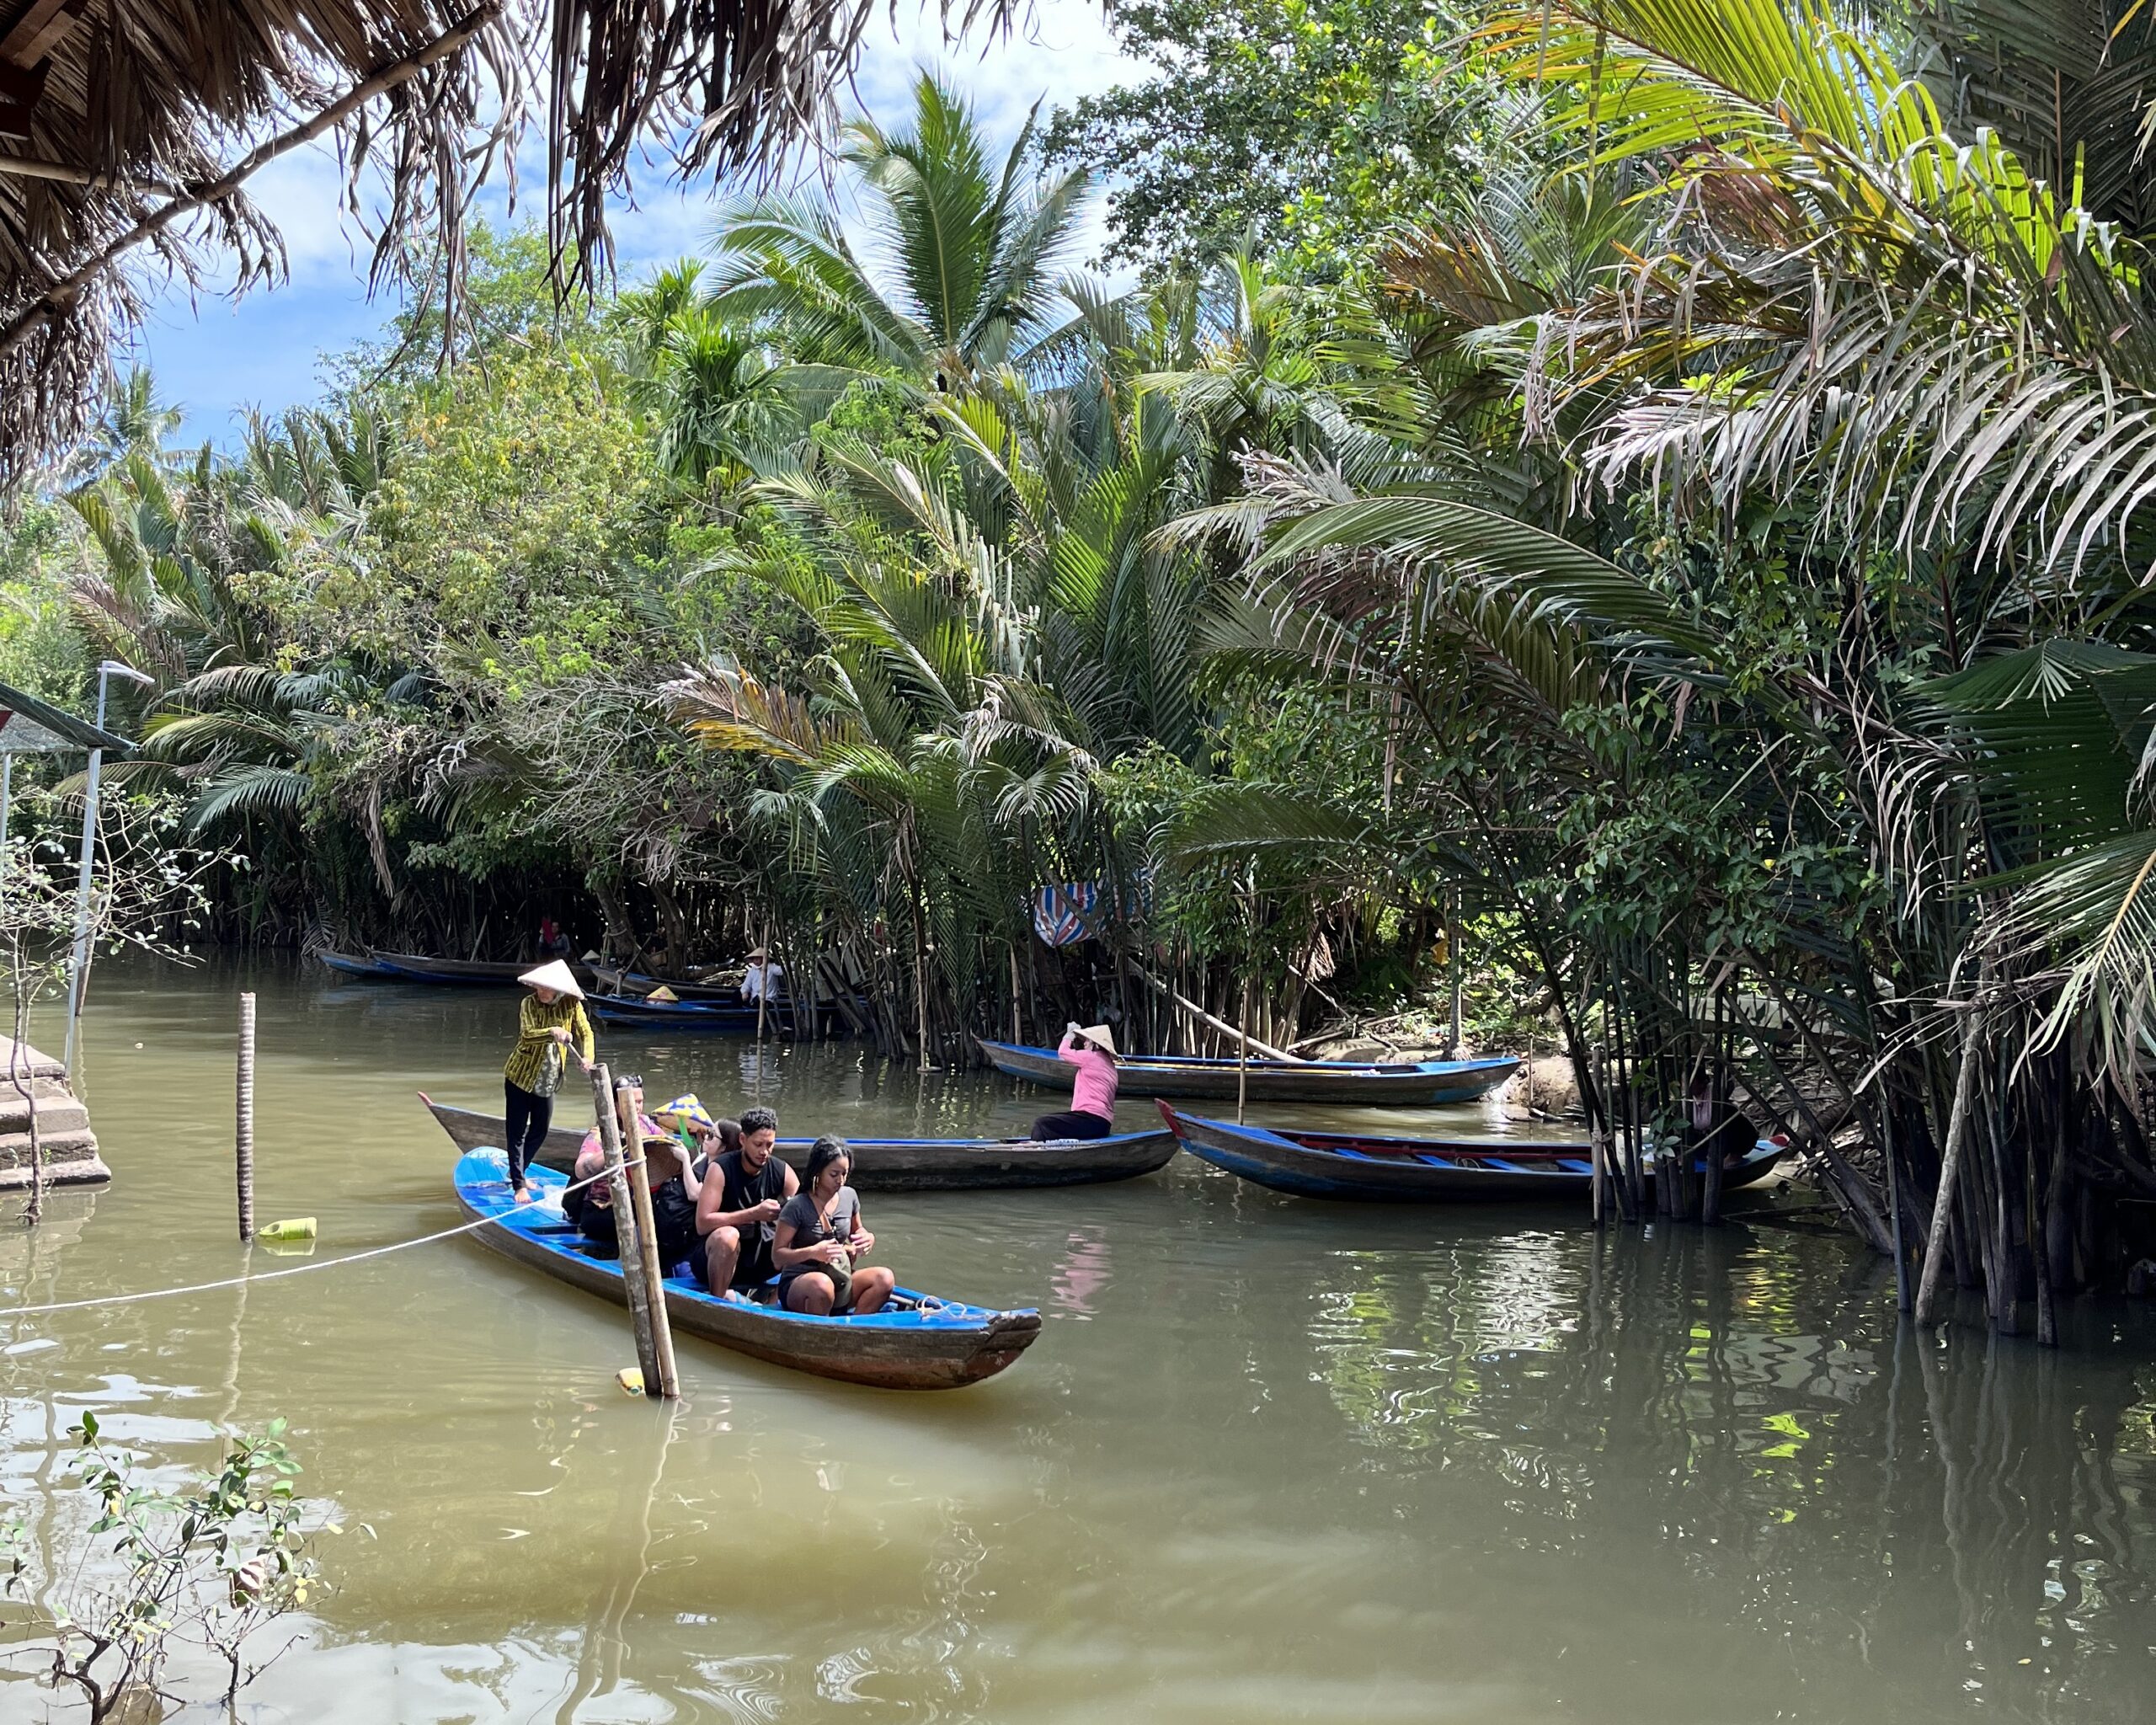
(552, 1029)
(1092, 1113)
(737, 1209)
(765, 980)
(820, 1241)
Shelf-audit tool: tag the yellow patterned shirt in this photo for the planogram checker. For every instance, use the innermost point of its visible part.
(528, 1058)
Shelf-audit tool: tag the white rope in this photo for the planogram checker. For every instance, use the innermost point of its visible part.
(328, 1263)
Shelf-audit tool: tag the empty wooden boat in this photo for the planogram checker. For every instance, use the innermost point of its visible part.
(1404, 1084)
(355, 963)
(916, 1342)
(1371, 1168)
(695, 1015)
(897, 1164)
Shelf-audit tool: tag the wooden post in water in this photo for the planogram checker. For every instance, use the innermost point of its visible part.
(1242, 1054)
(625, 1228)
(763, 999)
(243, 1134)
(1453, 964)
(654, 1272)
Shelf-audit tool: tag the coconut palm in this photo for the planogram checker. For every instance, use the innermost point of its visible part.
(962, 272)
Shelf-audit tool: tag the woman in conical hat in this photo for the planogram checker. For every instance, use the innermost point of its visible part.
(1092, 1113)
(551, 1029)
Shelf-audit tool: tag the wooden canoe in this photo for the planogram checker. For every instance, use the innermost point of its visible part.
(696, 1015)
(1405, 1084)
(1361, 1166)
(919, 1343)
(898, 1164)
(354, 965)
(468, 972)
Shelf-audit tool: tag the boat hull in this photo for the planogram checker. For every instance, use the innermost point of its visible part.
(1403, 1084)
(943, 1347)
(898, 1164)
(1415, 1171)
(356, 964)
(668, 1015)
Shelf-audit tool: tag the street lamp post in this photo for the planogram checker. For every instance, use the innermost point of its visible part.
(78, 962)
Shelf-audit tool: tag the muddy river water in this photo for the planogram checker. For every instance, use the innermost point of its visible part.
(1270, 1461)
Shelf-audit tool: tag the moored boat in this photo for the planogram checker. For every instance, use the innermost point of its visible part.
(898, 1164)
(917, 1342)
(1405, 1084)
(354, 964)
(685, 1015)
(1378, 1169)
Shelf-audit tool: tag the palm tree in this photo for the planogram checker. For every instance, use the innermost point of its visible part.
(969, 251)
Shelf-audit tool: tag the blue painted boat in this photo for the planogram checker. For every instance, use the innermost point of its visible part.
(696, 1015)
(916, 1342)
(1402, 1083)
(896, 1164)
(356, 964)
(1387, 1170)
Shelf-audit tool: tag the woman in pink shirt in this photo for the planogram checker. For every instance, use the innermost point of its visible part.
(1092, 1113)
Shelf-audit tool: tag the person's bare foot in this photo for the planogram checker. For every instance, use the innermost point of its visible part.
(523, 1195)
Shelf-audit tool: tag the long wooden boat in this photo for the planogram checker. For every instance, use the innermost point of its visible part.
(1358, 1166)
(734, 1020)
(897, 1164)
(354, 964)
(466, 973)
(917, 1342)
(1407, 1084)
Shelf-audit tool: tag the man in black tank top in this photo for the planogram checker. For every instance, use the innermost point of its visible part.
(743, 1192)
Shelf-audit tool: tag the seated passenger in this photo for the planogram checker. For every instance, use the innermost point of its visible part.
(820, 1241)
(673, 1183)
(689, 1121)
(737, 1209)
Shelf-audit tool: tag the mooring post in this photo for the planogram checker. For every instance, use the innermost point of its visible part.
(654, 1272)
(243, 1137)
(625, 1228)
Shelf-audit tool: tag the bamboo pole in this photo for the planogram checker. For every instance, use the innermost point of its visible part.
(1949, 1168)
(243, 1132)
(1219, 1024)
(1242, 1057)
(1453, 964)
(654, 1272)
(625, 1217)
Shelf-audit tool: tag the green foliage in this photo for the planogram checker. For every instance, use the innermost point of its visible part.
(1308, 126)
(202, 1570)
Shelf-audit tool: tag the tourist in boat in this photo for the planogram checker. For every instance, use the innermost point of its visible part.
(819, 1242)
(737, 1210)
(765, 980)
(668, 1166)
(690, 1122)
(551, 1030)
(1092, 1113)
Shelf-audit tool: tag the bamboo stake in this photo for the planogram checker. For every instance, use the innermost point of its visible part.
(654, 1272)
(1219, 1023)
(1453, 964)
(1242, 1057)
(1949, 1168)
(243, 1134)
(625, 1217)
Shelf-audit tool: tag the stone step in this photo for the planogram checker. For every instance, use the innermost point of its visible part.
(83, 1170)
(59, 1113)
(58, 1146)
(42, 1065)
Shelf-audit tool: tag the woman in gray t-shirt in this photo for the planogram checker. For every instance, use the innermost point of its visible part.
(818, 1243)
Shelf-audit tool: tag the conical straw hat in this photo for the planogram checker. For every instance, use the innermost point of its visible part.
(554, 974)
(1101, 1036)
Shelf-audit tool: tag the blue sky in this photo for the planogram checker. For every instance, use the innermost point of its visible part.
(215, 356)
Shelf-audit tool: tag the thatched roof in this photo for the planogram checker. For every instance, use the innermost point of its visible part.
(132, 123)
